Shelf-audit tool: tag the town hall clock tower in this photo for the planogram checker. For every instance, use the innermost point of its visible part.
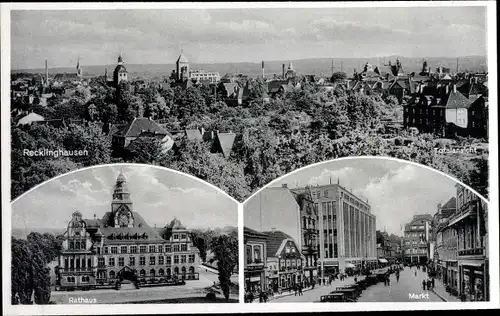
(121, 205)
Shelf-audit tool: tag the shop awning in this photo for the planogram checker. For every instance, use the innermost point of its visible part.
(382, 260)
(350, 265)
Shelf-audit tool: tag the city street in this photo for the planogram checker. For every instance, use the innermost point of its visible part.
(399, 291)
(191, 290)
(396, 292)
(313, 295)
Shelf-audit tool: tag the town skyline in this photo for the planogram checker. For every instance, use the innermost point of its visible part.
(89, 191)
(237, 35)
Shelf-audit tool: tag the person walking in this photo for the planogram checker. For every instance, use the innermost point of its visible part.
(423, 284)
(295, 288)
(397, 277)
(433, 283)
(300, 290)
(415, 273)
(428, 284)
(389, 280)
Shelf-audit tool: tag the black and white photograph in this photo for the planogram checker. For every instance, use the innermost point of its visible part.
(241, 96)
(366, 230)
(173, 157)
(124, 234)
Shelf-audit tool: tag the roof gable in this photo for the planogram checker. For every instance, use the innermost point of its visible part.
(457, 100)
(225, 143)
(139, 126)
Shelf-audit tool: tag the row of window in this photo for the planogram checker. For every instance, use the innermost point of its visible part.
(142, 260)
(143, 249)
(77, 244)
(152, 272)
(83, 279)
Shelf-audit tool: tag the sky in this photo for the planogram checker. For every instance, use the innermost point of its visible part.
(242, 35)
(158, 195)
(395, 191)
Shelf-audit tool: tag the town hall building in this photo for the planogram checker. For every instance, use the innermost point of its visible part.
(121, 248)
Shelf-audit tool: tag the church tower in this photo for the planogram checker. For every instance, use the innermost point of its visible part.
(79, 70)
(121, 205)
(182, 67)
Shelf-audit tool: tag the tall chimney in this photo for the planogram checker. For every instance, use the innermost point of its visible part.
(46, 73)
(283, 71)
(263, 73)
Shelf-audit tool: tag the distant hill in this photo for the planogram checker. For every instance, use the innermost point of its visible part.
(317, 66)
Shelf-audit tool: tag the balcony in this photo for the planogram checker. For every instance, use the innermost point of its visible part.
(468, 209)
(472, 252)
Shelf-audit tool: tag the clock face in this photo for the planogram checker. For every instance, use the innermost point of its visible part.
(123, 219)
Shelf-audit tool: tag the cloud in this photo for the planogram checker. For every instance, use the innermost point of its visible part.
(239, 35)
(395, 190)
(158, 195)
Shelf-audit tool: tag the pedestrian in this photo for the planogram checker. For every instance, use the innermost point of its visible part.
(423, 284)
(397, 277)
(432, 282)
(415, 273)
(295, 289)
(300, 290)
(388, 280)
(429, 284)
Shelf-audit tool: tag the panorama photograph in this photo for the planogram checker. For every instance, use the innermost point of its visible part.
(124, 234)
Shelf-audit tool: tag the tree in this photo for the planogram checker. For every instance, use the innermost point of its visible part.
(126, 102)
(148, 150)
(338, 76)
(91, 139)
(30, 272)
(225, 249)
(92, 112)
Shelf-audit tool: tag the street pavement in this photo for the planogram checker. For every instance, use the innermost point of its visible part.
(312, 295)
(192, 288)
(400, 291)
(396, 292)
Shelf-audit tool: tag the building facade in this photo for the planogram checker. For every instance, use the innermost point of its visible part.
(416, 238)
(309, 229)
(284, 263)
(255, 260)
(470, 221)
(122, 248)
(201, 75)
(346, 229)
(445, 253)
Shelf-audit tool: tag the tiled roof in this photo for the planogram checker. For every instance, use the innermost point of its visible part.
(182, 59)
(452, 203)
(32, 117)
(457, 100)
(140, 228)
(140, 125)
(250, 233)
(274, 240)
(225, 141)
(194, 134)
